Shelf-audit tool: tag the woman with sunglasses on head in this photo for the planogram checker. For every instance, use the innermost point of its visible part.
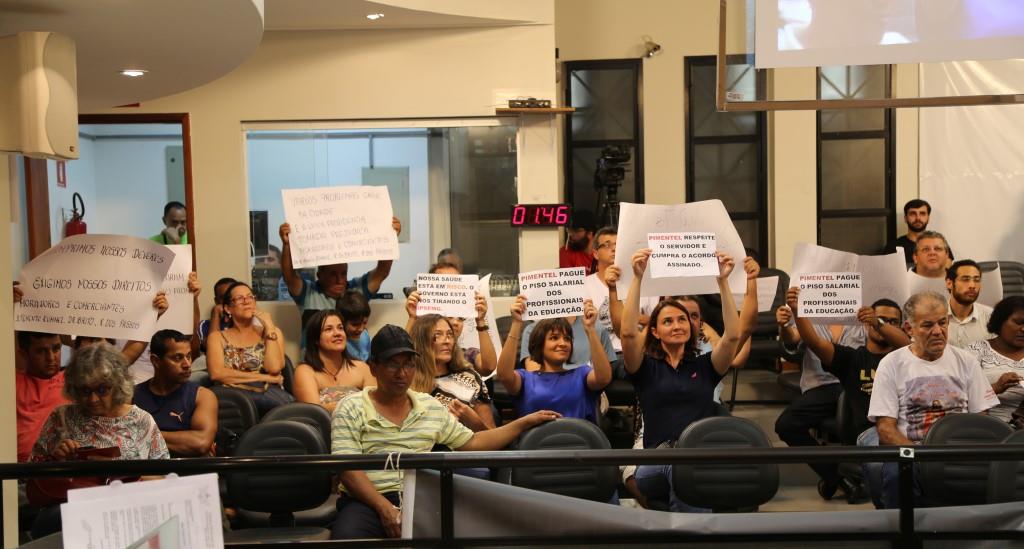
(247, 354)
(99, 423)
(327, 373)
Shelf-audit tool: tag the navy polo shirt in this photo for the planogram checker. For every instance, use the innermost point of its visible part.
(673, 398)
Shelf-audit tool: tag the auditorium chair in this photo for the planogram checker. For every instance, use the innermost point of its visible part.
(283, 493)
(1011, 273)
(311, 414)
(960, 483)
(1006, 478)
(722, 487)
(236, 413)
(591, 483)
(765, 348)
(288, 373)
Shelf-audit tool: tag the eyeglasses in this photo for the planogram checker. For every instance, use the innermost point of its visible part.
(444, 336)
(238, 300)
(100, 391)
(604, 245)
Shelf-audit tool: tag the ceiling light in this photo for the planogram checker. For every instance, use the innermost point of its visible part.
(133, 73)
(374, 16)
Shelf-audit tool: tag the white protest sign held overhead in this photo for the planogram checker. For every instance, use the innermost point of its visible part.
(553, 293)
(636, 221)
(179, 300)
(339, 225)
(830, 297)
(447, 295)
(918, 284)
(682, 254)
(94, 285)
(991, 287)
(767, 288)
(882, 276)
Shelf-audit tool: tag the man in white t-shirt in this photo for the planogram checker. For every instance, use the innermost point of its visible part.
(919, 384)
(968, 320)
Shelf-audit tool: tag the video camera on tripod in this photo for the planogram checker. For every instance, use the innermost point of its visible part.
(608, 177)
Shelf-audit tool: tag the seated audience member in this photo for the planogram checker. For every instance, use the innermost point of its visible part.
(484, 359)
(443, 372)
(578, 250)
(819, 389)
(217, 315)
(355, 310)
(185, 412)
(451, 257)
(38, 385)
(328, 373)
(581, 349)
(919, 384)
(331, 280)
(674, 385)
(1002, 359)
(931, 256)
(915, 213)
(570, 392)
(391, 418)
(968, 320)
(100, 415)
(855, 368)
(175, 221)
(248, 353)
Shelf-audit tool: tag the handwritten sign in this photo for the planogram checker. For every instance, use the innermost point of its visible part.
(553, 293)
(447, 295)
(179, 300)
(636, 221)
(882, 276)
(339, 225)
(682, 254)
(830, 297)
(94, 285)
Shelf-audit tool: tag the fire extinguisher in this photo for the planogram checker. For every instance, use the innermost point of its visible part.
(76, 225)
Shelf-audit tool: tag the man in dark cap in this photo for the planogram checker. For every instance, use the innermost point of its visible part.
(392, 418)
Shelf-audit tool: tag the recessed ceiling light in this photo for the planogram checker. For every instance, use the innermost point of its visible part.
(374, 16)
(133, 73)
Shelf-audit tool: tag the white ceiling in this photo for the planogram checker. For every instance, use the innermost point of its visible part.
(398, 14)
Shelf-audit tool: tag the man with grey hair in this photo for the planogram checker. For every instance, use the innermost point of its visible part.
(919, 384)
(931, 256)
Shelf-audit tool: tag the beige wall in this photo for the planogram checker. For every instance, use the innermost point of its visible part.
(8, 429)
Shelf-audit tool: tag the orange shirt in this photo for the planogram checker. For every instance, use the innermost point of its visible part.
(35, 399)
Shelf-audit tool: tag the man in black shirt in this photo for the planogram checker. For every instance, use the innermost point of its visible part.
(855, 368)
(915, 213)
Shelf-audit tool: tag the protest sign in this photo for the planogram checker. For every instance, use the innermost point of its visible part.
(882, 276)
(94, 285)
(179, 300)
(830, 297)
(447, 295)
(553, 293)
(682, 254)
(636, 221)
(339, 225)
(470, 338)
(767, 289)
(917, 284)
(991, 287)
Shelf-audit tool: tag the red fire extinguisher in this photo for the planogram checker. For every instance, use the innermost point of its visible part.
(76, 225)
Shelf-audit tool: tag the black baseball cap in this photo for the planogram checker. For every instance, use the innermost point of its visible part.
(390, 341)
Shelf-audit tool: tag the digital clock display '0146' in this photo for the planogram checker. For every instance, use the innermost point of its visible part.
(540, 215)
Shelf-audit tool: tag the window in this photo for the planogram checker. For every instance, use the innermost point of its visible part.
(726, 152)
(856, 176)
(449, 186)
(607, 122)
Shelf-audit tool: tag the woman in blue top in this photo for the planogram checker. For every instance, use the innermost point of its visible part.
(675, 386)
(573, 393)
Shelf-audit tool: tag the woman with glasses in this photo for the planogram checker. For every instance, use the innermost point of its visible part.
(99, 422)
(248, 353)
(328, 373)
(443, 371)
(483, 358)
(570, 392)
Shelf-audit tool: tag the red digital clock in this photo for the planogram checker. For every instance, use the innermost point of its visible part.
(540, 215)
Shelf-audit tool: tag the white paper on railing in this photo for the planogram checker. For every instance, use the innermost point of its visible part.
(830, 298)
(682, 254)
(94, 285)
(470, 338)
(114, 516)
(179, 300)
(553, 293)
(447, 295)
(767, 288)
(339, 225)
(882, 276)
(991, 287)
(636, 221)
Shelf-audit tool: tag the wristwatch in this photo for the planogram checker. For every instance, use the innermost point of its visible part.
(483, 328)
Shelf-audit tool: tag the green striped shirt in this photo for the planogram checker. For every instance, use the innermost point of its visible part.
(357, 428)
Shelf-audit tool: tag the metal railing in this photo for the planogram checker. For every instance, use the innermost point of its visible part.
(904, 537)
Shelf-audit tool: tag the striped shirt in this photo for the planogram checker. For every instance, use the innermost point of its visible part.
(357, 428)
